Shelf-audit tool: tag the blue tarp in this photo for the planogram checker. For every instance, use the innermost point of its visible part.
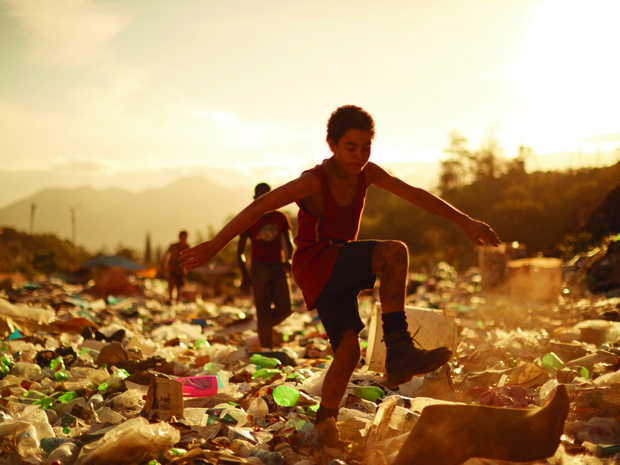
(113, 261)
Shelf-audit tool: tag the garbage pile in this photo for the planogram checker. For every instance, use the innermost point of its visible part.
(130, 380)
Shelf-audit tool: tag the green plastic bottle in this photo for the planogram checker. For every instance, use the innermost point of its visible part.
(371, 393)
(285, 396)
(551, 360)
(266, 373)
(264, 362)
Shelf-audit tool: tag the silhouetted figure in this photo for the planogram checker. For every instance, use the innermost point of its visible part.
(171, 266)
(271, 246)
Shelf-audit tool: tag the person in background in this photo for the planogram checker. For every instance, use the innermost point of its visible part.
(272, 249)
(172, 269)
(331, 267)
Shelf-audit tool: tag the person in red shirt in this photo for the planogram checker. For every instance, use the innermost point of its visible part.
(271, 247)
(331, 266)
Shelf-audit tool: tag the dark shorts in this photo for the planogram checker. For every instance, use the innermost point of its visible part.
(176, 278)
(337, 303)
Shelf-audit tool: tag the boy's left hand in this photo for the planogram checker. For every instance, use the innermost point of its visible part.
(481, 233)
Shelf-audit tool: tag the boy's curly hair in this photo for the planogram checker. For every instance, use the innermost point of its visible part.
(348, 117)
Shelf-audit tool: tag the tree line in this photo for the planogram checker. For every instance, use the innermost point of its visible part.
(545, 211)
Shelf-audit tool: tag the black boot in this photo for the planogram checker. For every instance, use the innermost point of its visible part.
(403, 360)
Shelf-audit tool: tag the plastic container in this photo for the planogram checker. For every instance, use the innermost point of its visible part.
(199, 386)
(535, 279)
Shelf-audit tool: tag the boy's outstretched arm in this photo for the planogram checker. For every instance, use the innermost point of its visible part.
(477, 231)
(297, 189)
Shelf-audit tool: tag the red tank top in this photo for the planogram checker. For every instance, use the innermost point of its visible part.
(318, 240)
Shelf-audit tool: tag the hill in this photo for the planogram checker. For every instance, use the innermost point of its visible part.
(107, 218)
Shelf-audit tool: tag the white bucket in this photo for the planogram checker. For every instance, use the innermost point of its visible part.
(436, 330)
(535, 279)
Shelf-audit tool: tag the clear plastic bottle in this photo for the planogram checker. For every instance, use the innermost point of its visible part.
(65, 454)
(96, 401)
(27, 442)
(258, 408)
(26, 370)
(242, 448)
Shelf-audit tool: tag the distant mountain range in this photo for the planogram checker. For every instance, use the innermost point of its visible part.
(105, 219)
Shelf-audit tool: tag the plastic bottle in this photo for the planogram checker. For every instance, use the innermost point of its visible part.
(371, 393)
(96, 401)
(241, 448)
(27, 442)
(199, 386)
(67, 397)
(258, 408)
(551, 360)
(266, 373)
(268, 457)
(285, 396)
(26, 370)
(50, 444)
(264, 362)
(58, 367)
(130, 399)
(65, 454)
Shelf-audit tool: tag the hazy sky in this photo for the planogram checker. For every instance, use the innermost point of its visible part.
(138, 92)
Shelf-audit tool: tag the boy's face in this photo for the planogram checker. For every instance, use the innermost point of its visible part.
(352, 151)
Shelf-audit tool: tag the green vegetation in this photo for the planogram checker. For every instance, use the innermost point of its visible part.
(43, 254)
(546, 211)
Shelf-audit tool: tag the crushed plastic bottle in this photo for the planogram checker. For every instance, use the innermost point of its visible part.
(65, 454)
(27, 442)
(268, 457)
(258, 408)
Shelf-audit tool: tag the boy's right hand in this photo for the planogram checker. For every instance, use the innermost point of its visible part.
(481, 233)
(197, 256)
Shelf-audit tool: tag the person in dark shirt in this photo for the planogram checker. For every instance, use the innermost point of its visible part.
(271, 247)
(172, 268)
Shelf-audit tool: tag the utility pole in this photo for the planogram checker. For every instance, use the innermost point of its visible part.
(33, 207)
(73, 225)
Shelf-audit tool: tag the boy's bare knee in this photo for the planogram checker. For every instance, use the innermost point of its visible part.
(389, 253)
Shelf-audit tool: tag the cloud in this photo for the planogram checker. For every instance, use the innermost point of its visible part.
(86, 165)
(67, 34)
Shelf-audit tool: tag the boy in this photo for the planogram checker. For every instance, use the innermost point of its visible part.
(331, 267)
(272, 249)
(170, 263)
